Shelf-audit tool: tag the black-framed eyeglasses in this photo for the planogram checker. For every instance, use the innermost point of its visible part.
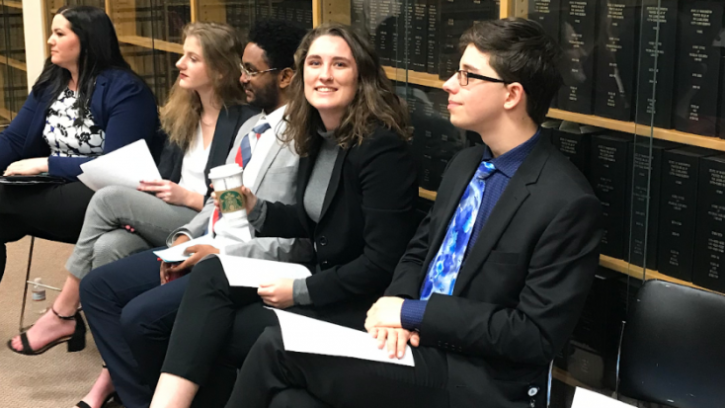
(253, 74)
(464, 75)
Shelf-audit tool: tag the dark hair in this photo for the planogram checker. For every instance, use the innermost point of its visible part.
(520, 51)
(279, 40)
(99, 51)
(375, 102)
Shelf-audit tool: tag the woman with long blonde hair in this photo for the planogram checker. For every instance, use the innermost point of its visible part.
(201, 118)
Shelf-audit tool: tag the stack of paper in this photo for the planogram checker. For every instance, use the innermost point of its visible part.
(126, 167)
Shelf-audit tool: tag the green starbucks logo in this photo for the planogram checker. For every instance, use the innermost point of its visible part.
(231, 201)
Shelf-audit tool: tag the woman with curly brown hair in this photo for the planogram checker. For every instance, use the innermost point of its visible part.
(355, 200)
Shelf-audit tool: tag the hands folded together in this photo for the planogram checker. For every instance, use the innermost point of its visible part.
(383, 323)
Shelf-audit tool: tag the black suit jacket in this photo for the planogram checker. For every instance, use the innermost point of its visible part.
(227, 126)
(367, 219)
(519, 292)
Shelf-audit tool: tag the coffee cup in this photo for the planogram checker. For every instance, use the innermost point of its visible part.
(227, 180)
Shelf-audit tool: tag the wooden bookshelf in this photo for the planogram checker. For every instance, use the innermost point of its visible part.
(419, 78)
(13, 63)
(13, 4)
(608, 262)
(152, 43)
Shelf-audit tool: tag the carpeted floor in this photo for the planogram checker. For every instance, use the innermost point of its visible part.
(56, 379)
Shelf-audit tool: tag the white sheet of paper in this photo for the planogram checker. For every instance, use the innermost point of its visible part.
(250, 272)
(589, 399)
(305, 335)
(123, 167)
(176, 253)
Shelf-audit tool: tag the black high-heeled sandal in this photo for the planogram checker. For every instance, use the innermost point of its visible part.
(110, 398)
(76, 341)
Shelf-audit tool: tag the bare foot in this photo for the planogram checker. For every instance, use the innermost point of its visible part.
(46, 330)
(100, 391)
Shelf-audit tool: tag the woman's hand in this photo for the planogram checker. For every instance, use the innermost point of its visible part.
(250, 200)
(27, 167)
(277, 294)
(168, 191)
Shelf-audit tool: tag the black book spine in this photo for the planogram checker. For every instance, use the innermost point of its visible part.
(546, 13)
(616, 61)
(677, 214)
(433, 43)
(645, 209)
(709, 269)
(577, 147)
(656, 74)
(698, 67)
(357, 17)
(578, 39)
(449, 24)
(418, 44)
(609, 180)
(385, 29)
(373, 19)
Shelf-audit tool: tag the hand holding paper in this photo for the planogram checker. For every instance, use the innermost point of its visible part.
(305, 335)
(178, 253)
(123, 167)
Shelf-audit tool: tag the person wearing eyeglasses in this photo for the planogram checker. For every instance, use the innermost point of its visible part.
(497, 274)
(131, 304)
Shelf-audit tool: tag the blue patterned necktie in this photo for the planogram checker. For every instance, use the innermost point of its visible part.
(245, 149)
(443, 269)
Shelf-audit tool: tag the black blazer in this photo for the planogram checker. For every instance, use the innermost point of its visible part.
(521, 288)
(367, 219)
(227, 126)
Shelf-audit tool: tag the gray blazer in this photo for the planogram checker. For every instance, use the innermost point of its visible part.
(276, 182)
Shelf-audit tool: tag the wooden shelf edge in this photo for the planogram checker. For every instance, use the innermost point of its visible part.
(427, 194)
(151, 43)
(640, 130)
(13, 63)
(413, 77)
(13, 4)
(638, 272)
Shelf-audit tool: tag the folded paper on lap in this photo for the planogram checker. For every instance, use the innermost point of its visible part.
(306, 335)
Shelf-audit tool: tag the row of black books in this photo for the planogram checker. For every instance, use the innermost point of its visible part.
(663, 203)
(658, 62)
(242, 16)
(12, 36)
(420, 35)
(14, 84)
(435, 140)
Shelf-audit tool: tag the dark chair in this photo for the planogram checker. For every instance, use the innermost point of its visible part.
(673, 347)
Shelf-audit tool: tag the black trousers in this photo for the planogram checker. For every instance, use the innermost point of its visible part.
(273, 377)
(49, 211)
(217, 325)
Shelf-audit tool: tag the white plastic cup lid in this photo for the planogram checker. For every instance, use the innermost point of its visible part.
(227, 170)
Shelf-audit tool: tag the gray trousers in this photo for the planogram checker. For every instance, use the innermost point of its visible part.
(103, 238)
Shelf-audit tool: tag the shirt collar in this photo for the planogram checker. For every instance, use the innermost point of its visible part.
(510, 161)
(273, 118)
